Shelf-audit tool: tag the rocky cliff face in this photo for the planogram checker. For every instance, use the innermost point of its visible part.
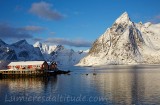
(125, 42)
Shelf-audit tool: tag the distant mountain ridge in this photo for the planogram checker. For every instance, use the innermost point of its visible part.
(22, 51)
(126, 42)
(19, 51)
(60, 54)
(45, 49)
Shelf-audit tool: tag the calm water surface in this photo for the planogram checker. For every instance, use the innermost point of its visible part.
(105, 85)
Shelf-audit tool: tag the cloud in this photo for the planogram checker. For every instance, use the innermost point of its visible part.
(34, 28)
(52, 33)
(7, 31)
(44, 10)
(37, 39)
(74, 43)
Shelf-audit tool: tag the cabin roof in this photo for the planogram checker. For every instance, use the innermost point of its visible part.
(26, 63)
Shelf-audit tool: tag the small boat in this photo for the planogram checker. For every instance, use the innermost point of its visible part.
(62, 72)
(55, 72)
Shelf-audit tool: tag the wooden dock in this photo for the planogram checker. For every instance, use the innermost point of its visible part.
(29, 73)
(26, 71)
(21, 73)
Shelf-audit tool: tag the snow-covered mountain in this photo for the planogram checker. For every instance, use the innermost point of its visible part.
(5, 52)
(22, 51)
(45, 49)
(19, 51)
(60, 54)
(126, 42)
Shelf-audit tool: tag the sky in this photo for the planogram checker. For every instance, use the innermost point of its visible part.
(75, 24)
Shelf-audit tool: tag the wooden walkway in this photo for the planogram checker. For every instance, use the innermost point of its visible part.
(21, 73)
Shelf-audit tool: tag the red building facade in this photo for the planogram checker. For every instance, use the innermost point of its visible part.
(28, 65)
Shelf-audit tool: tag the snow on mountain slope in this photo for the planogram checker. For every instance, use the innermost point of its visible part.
(45, 49)
(125, 42)
(20, 51)
(25, 51)
(65, 56)
(60, 54)
(6, 53)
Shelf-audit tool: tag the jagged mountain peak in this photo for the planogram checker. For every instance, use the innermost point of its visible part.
(60, 46)
(60, 54)
(21, 42)
(38, 44)
(20, 51)
(126, 42)
(124, 18)
(45, 48)
(120, 25)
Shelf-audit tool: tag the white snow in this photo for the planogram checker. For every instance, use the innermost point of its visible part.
(25, 51)
(20, 51)
(45, 49)
(126, 42)
(60, 54)
(123, 18)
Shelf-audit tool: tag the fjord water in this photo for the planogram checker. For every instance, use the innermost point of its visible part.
(105, 85)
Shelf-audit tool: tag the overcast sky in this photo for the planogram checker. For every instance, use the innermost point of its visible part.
(74, 23)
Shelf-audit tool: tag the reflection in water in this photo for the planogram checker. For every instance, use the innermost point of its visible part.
(132, 86)
(27, 86)
(50, 84)
(120, 85)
